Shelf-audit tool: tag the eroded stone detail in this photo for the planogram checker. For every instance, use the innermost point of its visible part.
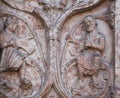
(117, 45)
(56, 48)
(21, 76)
(111, 14)
(89, 75)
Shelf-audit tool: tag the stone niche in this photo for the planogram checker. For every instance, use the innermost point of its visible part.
(59, 49)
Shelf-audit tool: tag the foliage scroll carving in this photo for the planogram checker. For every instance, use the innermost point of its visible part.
(56, 49)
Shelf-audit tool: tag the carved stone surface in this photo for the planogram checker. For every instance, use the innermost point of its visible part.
(58, 49)
(117, 50)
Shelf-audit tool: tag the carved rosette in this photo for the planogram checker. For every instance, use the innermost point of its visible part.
(55, 49)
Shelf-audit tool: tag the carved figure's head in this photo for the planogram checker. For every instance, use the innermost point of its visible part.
(90, 23)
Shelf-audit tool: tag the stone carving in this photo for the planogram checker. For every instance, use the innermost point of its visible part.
(53, 3)
(56, 49)
(92, 73)
(62, 3)
(16, 60)
(94, 44)
(111, 14)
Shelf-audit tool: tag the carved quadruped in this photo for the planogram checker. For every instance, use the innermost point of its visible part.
(55, 49)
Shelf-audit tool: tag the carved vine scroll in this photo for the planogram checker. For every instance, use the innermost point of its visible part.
(56, 48)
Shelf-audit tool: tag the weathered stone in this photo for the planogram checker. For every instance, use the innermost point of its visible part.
(59, 49)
